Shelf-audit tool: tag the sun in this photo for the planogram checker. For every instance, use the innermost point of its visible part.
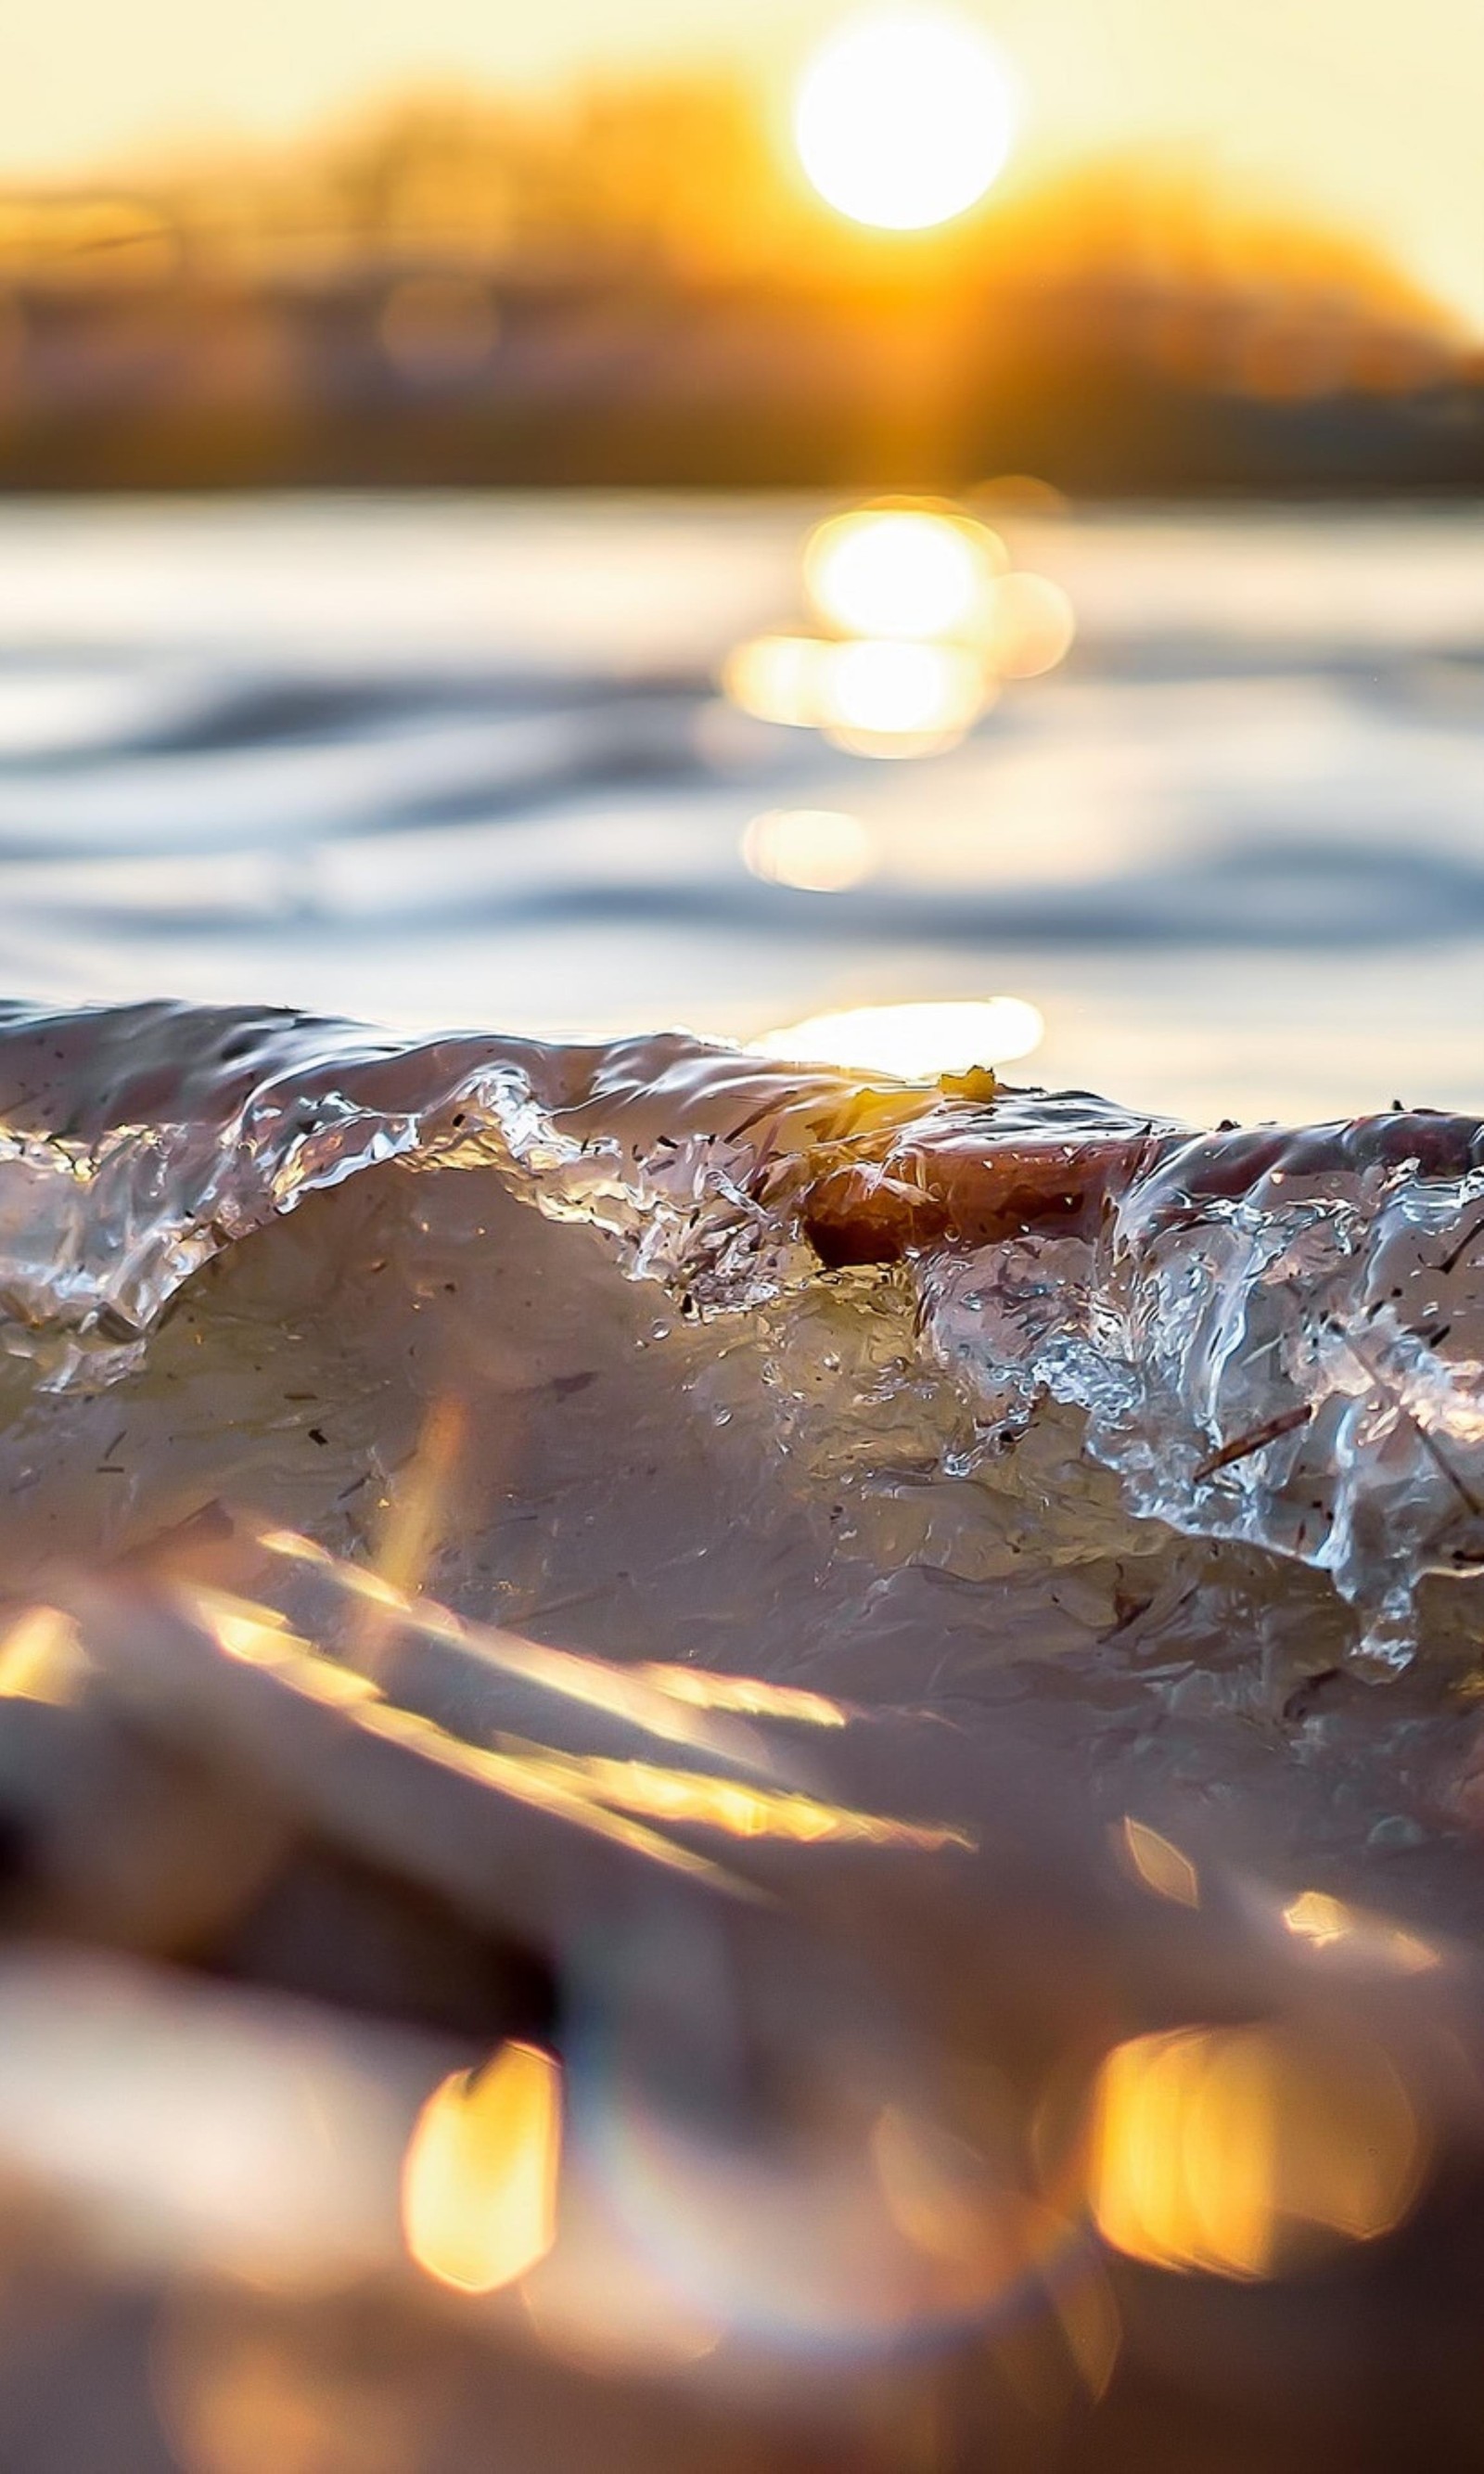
(903, 116)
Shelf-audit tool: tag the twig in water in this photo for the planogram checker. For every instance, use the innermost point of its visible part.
(1268, 1433)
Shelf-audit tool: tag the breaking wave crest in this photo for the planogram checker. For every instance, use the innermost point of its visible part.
(1273, 1337)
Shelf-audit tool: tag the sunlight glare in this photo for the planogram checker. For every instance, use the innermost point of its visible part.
(915, 1041)
(903, 116)
(902, 572)
(883, 697)
(875, 695)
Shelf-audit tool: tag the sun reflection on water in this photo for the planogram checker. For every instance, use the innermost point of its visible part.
(887, 696)
(916, 1042)
(914, 572)
(820, 850)
(917, 619)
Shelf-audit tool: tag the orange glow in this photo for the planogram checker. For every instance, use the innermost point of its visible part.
(1220, 2149)
(614, 1799)
(690, 1799)
(42, 1659)
(480, 2182)
(420, 1501)
(903, 116)
(1159, 1865)
(1318, 1918)
(649, 1698)
(1326, 1922)
(256, 1637)
(746, 1694)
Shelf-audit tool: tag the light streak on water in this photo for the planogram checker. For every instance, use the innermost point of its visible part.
(915, 1041)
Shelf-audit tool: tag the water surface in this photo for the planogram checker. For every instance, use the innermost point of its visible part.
(463, 759)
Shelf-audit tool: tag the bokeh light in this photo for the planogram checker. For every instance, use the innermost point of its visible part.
(41, 1658)
(1230, 2150)
(819, 850)
(480, 2184)
(915, 1041)
(904, 117)
(1159, 1865)
(778, 678)
(1317, 1918)
(875, 695)
(1327, 1923)
(1030, 625)
(888, 698)
(906, 571)
(918, 619)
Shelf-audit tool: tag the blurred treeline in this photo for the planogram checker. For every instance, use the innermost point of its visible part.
(634, 288)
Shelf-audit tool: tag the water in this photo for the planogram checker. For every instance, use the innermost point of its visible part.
(462, 761)
(909, 1654)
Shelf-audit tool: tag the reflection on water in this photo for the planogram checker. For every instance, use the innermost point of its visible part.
(885, 698)
(819, 850)
(907, 570)
(1031, 624)
(778, 678)
(919, 616)
(917, 1042)
(462, 761)
(870, 695)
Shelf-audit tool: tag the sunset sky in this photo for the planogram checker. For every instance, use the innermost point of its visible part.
(1361, 110)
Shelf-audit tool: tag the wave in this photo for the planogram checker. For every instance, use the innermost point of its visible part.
(1274, 1336)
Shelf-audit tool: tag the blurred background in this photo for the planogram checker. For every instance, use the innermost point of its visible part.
(577, 519)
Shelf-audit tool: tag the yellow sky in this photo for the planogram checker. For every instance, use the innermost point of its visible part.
(1368, 110)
